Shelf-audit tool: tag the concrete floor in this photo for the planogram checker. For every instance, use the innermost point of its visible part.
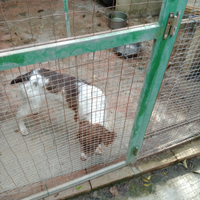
(172, 183)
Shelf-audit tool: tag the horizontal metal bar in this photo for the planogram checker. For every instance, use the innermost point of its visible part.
(193, 20)
(71, 38)
(168, 128)
(77, 181)
(33, 55)
(184, 141)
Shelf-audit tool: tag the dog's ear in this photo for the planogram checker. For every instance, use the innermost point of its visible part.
(16, 80)
(22, 78)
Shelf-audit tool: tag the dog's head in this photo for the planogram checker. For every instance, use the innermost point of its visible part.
(91, 135)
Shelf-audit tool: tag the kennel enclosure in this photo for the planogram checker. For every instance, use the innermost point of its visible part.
(48, 159)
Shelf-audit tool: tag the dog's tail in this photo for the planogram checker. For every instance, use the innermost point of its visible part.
(22, 78)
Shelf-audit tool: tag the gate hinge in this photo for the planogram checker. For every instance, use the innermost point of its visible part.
(172, 25)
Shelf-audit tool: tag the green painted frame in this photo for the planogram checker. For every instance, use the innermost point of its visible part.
(154, 74)
(156, 67)
(33, 55)
(158, 61)
(65, 2)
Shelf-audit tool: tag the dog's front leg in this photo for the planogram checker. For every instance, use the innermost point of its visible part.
(84, 157)
(23, 112)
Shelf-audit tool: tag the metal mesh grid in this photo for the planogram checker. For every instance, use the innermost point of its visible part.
(26, 23)
(175, 118)
(50, 154)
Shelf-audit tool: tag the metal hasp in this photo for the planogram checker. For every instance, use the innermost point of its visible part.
(171, 25)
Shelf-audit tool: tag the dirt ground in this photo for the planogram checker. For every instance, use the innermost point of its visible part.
(171, 183)
(23, 23)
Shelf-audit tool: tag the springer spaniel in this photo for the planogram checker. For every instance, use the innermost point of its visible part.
(88, 103)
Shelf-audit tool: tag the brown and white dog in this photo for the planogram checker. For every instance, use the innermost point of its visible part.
(88, 103)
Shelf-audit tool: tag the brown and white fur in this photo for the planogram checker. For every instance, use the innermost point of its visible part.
(88, 103)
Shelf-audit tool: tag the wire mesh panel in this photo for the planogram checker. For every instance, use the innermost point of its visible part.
(30, 23)
(65, 118)
(175, 117)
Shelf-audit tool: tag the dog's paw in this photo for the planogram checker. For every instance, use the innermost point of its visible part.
(24, 132)
(83, 157)
(99, 150)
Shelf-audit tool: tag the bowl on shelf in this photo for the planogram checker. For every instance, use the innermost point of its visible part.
(117, 20)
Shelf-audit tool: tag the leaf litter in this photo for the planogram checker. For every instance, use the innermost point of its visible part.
(114, 191)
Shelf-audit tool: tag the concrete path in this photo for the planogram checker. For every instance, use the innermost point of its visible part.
(171, 183)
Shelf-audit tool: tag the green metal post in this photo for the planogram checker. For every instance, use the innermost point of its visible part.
(154, 75)
(67, 18)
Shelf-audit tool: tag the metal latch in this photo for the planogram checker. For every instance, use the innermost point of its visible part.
(172, 25)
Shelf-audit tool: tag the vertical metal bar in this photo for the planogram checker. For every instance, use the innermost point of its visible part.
(154, 75)
(67, 18)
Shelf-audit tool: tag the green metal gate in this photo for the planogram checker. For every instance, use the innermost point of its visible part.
(161, 51)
